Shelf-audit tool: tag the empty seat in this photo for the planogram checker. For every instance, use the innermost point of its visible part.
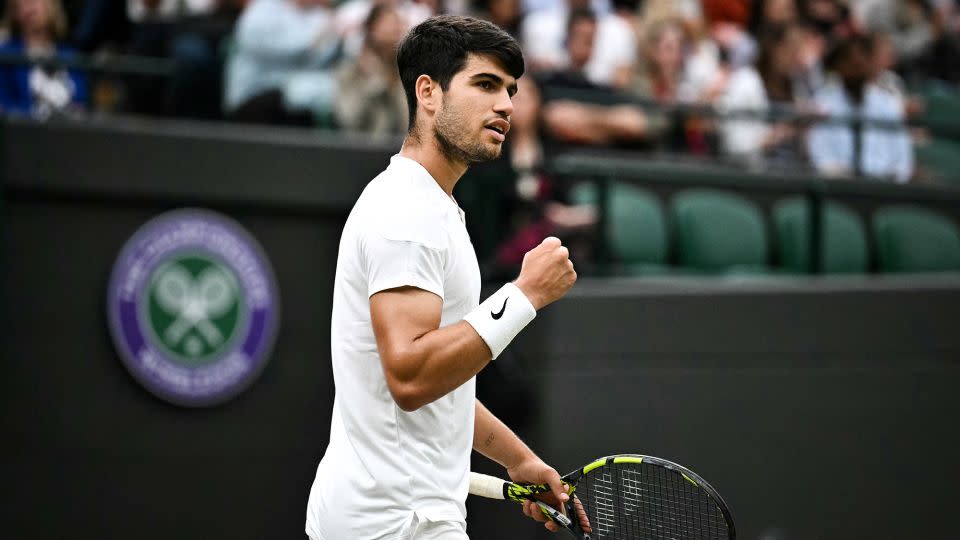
(915, 239)
(636, 231)
(717, 230)
(940, 157)
(843, 238)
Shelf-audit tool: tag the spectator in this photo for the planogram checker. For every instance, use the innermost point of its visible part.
(850, 91)
(571, 71)
(543, 34)
(281, 69)
(350, 16)
(769, 13)
(504, 13)
(36, 28)
(770, 85)
(830, 17)
(373, 100)
(536, 205)
(661, 75)
(568, 121)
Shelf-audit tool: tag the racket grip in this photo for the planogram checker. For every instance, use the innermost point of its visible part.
(484, 485)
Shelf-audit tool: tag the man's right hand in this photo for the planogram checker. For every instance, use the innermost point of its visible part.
(547, 273)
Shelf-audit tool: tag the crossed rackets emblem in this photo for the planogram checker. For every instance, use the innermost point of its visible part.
(194, 302)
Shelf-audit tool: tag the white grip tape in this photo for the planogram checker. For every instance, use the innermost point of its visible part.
(484, 485)
(502, 316)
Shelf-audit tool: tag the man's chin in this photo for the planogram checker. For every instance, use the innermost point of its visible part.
(489, 154)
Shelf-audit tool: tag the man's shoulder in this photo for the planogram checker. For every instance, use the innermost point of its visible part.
(393, 208)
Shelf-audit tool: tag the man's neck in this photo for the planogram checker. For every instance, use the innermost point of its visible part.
(445, 172)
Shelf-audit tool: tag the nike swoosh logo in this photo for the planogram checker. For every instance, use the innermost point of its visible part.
(496, 316)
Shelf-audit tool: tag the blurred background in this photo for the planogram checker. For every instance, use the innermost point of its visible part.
(762, 198)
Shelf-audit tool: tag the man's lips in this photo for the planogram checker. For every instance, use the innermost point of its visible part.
(500, 125)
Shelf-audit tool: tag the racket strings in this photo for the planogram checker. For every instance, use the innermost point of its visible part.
(640, 501)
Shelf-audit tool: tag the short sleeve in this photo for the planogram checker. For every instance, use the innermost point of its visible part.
(394, 263)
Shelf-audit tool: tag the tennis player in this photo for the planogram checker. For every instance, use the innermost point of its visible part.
(409, 333)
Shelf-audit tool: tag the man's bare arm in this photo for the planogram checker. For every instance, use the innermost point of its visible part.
(423, 362)
(495, 440)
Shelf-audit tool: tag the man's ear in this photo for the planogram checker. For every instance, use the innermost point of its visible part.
(428, 93)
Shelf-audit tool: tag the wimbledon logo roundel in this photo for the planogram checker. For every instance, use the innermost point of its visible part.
(193, 307)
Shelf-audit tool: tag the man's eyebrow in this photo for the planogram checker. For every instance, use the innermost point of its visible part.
(512, 89)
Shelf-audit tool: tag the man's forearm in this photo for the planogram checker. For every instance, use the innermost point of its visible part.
(495, 440)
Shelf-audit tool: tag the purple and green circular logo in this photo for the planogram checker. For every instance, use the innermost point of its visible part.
(193, 307)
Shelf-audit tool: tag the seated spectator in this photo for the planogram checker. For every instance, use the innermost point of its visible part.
(350, 16)
(36, 28)
(280, 71)
(571, 70)
(765, 13)
(568, 121)
(661, 75)
(373, 99)
(850, 91)
(506, 14)
(770, 84)
(543, 34)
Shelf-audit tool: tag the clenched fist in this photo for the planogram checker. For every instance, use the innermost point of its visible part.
(547, 273)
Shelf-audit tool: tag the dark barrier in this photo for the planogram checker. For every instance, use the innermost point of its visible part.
(820, 407)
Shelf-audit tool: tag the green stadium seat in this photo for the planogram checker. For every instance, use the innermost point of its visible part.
(941, 158)
(915, 239)
(843, 237)
(636, 230)
(941, 109)
(719, 231)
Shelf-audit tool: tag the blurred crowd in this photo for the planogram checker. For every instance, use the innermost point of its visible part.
(627, 74)
(623, 74)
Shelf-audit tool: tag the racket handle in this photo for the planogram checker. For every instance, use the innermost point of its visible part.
(553, 514)
(484, 485)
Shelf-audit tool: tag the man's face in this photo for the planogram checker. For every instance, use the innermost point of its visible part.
(386, 34)
(855, 68)
(474, 116)
(580, 42)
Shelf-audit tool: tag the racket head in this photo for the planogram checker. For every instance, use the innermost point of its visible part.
(633, 496)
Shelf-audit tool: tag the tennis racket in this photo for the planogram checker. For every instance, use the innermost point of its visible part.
(628, 497)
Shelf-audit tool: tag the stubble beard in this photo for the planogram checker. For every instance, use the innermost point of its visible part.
(452, 132)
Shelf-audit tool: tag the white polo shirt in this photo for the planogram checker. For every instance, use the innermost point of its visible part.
(383, 465)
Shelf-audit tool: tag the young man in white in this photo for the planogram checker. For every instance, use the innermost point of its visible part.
(408, 335)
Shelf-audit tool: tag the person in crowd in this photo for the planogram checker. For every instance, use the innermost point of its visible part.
(281, 69)
(832, 18)
(375, 103)
(850, 91)
(506, 14)
(543, 35)
(771, 84)
(661, 75)
(37, 28)
(664, 78)
(350, 16)
(765, 13)
(565, 118)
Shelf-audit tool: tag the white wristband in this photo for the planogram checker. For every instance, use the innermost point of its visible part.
(502, 316)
